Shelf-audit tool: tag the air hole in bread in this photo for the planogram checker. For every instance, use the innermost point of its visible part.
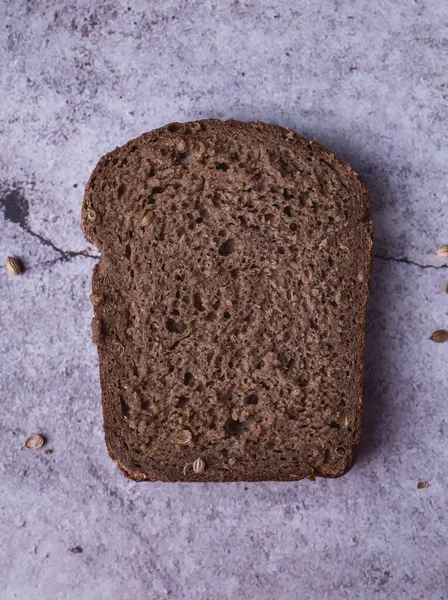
(252, 399)
(173, 127)
(181, 159)
(188, 378)
(124, 406)
(234, 427)
(175, 326)
(197, 302)
(290, 364)
(287, 194)
(227, 248)
(222, 166)
(182, 401)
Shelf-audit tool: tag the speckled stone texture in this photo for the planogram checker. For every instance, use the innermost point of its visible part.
(78, 78)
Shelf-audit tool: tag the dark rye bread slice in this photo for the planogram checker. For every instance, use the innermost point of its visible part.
(229, 303)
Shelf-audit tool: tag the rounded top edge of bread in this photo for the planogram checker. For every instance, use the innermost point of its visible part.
(254, 130)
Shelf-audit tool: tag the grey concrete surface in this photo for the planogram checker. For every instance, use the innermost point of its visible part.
(367, 79)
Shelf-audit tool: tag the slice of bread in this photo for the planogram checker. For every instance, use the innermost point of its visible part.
(229, 303)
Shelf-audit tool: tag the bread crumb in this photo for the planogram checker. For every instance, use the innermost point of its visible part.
(422, 484)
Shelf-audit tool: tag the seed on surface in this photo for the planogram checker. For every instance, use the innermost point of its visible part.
(198, 466)
(13, 266)
(91, 214)
(422, 484)
(184, 437)
(442, 252)
(34, 442)
(440, 336)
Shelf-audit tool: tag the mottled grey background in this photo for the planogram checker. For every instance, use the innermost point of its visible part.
(367, 79)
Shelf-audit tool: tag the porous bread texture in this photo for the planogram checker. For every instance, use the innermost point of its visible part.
(229, 303)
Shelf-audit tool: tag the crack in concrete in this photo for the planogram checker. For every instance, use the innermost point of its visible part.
(49, 263)
(65, 255)
(16, 210)
(407, 261)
